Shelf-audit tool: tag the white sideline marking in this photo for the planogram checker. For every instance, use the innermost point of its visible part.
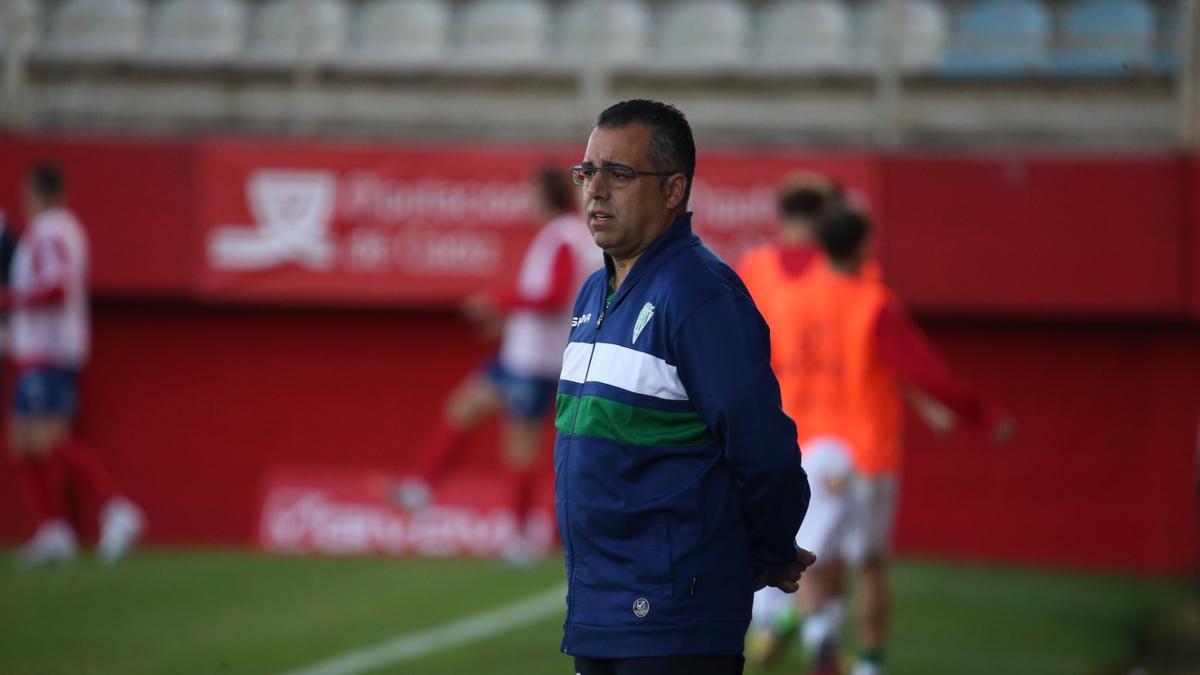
(414, 645)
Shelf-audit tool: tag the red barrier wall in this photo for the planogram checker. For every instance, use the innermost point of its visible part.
(1192, 236)
(1102, 471)
(138, 200)
(192, 401)
(1091, 236)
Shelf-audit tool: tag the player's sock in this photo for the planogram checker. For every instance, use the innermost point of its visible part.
(522, 549)
(822, 625)
(525, 482)
(45, 485)
(439, 451)
(820, 636)
(773, 625)
(82, 462)
(54, 540)
(415, 492)
(787, 624)
(869, 662)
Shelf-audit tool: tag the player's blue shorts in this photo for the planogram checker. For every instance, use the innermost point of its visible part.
(52, 392)
(527, 398)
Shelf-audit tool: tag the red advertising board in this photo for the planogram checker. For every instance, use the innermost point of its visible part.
(362, 223)
(135, 197)
(1036, 235)
(352, 513)
(427, 224)
(421, 224)
(1192, 234)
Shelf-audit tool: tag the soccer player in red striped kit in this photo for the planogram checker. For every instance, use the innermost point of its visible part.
(519, 384)
(49, 341)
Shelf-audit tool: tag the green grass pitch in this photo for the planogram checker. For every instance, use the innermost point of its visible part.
(234, 612)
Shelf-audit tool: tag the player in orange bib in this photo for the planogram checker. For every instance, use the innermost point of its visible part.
(847, 355)
(802, 198)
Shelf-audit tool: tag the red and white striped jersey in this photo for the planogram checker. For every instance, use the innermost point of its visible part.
(534, 338)
(51, 255)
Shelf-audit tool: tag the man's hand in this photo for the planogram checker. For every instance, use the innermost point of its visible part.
(787, 577)
(940, 419)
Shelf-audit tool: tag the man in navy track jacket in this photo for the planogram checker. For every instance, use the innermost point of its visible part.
(678, 482)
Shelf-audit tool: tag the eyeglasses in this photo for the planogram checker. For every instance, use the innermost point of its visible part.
(615, 175)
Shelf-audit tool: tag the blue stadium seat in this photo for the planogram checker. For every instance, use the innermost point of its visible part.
(1105, 38)
(1166, 45)
(999, 38)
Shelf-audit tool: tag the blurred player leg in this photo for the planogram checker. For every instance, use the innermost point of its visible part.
(121, 521)
(521, 439)
(527, 401)
(874, 510)
(473, 401)
(773, 624)
(829, 468)
(821, 595)
(830, 475)
(44, 484)
(874, 599)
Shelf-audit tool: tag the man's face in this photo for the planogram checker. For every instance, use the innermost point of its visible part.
(626, 219)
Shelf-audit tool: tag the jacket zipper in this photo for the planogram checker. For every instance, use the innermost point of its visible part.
(566, 513)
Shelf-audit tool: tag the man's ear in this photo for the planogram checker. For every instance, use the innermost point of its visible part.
(676, 187)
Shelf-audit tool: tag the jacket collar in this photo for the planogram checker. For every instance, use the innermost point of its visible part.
(678, 235)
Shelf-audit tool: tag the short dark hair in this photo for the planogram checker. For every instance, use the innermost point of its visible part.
(672, 146)
(47, 180)
(556, 188)
(807, 195)
(842, 233)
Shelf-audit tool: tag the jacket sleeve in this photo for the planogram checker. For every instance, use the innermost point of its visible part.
(723, 353)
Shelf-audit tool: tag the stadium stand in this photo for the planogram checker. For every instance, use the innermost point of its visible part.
(20, 22)
(502, 34)
(399, 34)
(94, 30)
(1104, 37)
(196, 31)
(704, 34)
(285, 32)
(999, 38)
(613, 33)
(967, 69)
(1166, 43)
(920, 39)
(805, 35)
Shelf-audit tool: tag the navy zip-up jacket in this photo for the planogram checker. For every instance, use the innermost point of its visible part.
(677, 474)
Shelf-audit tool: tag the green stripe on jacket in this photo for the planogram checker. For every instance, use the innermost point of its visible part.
(631, 425)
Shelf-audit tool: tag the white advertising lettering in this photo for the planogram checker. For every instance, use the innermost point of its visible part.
(308, 520)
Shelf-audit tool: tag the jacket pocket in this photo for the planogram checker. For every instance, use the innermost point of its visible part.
(627, 552)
